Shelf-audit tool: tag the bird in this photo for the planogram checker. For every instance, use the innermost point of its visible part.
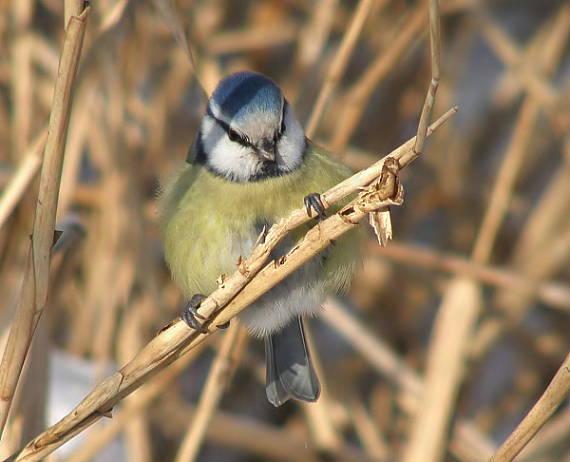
(249, 166)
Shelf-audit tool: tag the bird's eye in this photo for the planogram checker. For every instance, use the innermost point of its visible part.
(234, 136)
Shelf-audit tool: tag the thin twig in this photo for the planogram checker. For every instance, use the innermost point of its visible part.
(556, 392)
(435, 44)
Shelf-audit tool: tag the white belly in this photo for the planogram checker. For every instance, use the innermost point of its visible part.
(300, 293)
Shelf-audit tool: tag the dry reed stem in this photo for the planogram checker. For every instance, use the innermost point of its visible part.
(216, 383)
(354, 102)
(556, 392)
(167, 10)
(368, 432)
(448, 346)
(320, 425)
(501, 195)
(339, 63)
(466, 437)
(260, 37)
(556, 295)
(460, 309)
(514, 58)
(469, 444)
(35, 289)
(435, 47)
(267, 441)
(235, 294)
(137, 438)
(534, 82)
(553, 435)
(99, 437)
(22, 50)
(445, 366)
(378, 354)
(72, 8)
(514, 305)
(528, 116)
(312, 39)
(21, 179)
(547, 214)
(79, 123)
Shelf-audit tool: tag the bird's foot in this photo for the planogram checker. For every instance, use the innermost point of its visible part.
(190, 314)
(313, 201)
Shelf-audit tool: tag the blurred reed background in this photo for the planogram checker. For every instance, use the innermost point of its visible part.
(448, 336)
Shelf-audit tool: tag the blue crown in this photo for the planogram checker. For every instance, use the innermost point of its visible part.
(245, 92)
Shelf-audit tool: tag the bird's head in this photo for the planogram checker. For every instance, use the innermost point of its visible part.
(249, 131)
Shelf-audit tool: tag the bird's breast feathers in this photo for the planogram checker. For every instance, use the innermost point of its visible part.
(208, 221)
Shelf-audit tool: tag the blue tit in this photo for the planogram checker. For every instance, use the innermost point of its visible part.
(250, 166)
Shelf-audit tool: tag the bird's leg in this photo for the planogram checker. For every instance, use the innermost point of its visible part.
(190, 314)
(313, 201)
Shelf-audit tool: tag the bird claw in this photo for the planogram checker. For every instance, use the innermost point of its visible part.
(190, 314)
(314, 201)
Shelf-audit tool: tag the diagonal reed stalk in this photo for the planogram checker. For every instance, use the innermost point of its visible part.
(34, 292)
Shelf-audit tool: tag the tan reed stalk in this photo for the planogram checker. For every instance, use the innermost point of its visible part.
(252, 38)
(138, 441)
(367, 430)
(553, 434)
(508, 51)
(269, 442)
(513, 162)
(35, 289)
(453, 327)
(22, 178)
(448, 348)
(466, 437)
(354, 102)
(444, 370)
(547, 215)
(435, 47)
(554, 395)
(502, 192)
(311, 41)
(21, 15)
(216, 383)
(167, 10)
(101, 436)
(235, 293)
(534, 83)
(323, 433)
(340, 61)
(553, 294)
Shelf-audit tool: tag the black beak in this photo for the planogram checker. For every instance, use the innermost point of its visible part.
(267, 150)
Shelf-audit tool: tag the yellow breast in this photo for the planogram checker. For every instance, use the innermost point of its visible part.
(203, 216)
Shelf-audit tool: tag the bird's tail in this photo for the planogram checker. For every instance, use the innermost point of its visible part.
(290, 373)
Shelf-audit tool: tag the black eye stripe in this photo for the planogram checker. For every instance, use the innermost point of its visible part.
(232, 134)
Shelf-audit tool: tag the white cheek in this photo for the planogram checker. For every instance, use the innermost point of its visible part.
(230, 159)
(292, 143)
